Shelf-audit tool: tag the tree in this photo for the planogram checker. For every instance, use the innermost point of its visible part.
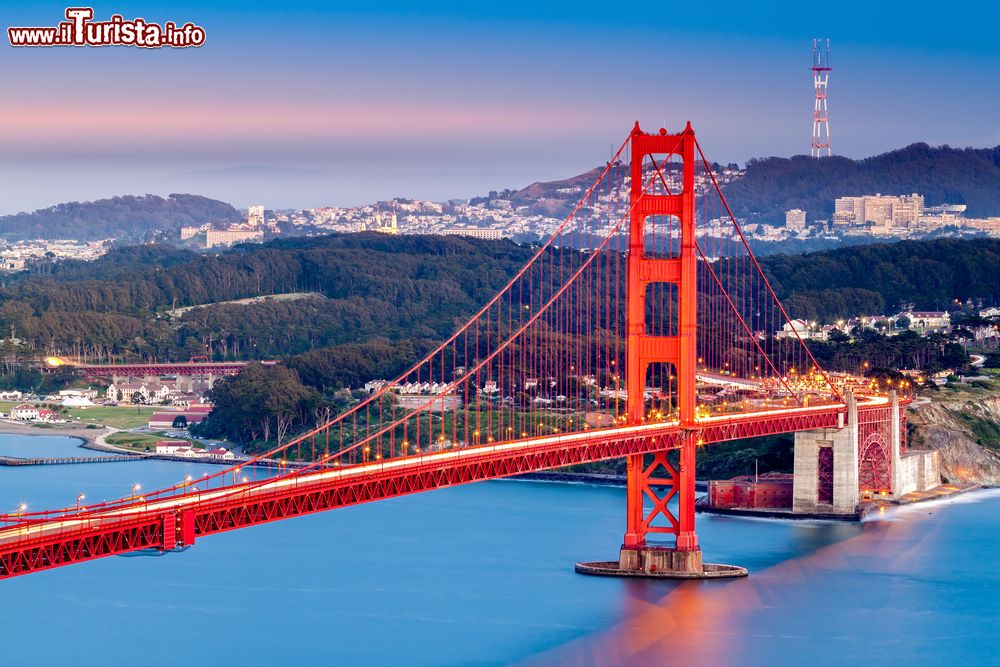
(260, 400)
(903, 322)
(180, 422)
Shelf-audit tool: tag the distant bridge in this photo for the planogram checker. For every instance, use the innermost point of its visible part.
(192, 368)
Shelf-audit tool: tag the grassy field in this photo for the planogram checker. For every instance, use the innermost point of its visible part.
(140, 441)
(118, 417)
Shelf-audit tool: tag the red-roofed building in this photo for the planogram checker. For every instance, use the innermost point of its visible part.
(24, 412)
(171, 446)
(164, 420)
(221, 453)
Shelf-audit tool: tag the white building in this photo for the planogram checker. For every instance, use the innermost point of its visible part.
(171, 446)
(474, 232)
(926, 319)
(24, 412)
(232, 236)
(882, 211)
(255, 216)
(790, 329)
(138, 392)
(795, 220)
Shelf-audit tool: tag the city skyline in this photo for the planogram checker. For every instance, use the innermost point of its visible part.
(370, 103)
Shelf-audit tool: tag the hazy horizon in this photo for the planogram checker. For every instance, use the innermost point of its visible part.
(187, 183)
(315, 104)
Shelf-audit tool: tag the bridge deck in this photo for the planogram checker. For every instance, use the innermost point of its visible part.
(31, 546)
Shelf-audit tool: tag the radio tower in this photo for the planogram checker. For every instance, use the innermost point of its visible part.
(821, 118)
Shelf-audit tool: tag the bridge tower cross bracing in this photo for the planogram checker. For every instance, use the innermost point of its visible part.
(660, 480)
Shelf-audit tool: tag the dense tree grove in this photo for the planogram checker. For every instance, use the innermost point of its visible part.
(882, 278)
(942, 174)
(260, 403)
(127, 218)
(367, 306)
(362, 286)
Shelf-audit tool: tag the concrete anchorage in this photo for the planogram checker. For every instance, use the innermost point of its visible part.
(825, 487)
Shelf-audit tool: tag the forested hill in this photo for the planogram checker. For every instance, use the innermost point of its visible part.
(128, 218)
(942, 174)
(875, 279)
(363, 286)
(353, 288)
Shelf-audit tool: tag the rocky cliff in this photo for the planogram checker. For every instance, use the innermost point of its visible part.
(964, 425)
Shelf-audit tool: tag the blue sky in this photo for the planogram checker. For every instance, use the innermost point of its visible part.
(319, 103)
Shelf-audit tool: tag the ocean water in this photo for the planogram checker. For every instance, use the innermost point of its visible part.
(483, 575)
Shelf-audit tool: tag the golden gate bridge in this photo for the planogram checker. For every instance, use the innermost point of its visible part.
(643, 328)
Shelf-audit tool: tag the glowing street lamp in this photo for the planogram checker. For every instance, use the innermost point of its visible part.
(79, 499)
(135, 489)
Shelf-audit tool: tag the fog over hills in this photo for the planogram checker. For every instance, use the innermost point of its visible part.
(769, 187)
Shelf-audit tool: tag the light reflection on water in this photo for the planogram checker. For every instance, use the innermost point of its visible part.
(482, 574)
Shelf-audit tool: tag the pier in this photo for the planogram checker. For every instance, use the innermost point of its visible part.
(66, 460)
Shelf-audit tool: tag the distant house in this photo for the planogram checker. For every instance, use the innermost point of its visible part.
(190, 452)
(138, 392)
(78, 393)
(46, 415)
(184, 400)
(171, 446)
(24, 412)
(927, 319)
(992, 311)
(375, 385)
(221, 453)
(10, 395)
(793, 329)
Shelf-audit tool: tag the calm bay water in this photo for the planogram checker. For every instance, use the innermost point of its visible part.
(483, 575)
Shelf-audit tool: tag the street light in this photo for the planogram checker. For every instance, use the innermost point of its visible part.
(135, 488)
(20, 509)
(79, 499)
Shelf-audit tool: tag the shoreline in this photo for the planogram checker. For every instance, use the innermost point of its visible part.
(93, 439)
(87, 436)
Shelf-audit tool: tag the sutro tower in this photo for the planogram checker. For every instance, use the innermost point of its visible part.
(821, 117)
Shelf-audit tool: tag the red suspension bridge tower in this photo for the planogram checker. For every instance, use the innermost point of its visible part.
(655, 481)
(662, 480)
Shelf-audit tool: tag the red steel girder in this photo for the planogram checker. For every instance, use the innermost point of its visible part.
(122, 533)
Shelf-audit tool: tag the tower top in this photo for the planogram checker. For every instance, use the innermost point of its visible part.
(821, 56)
(821, 69)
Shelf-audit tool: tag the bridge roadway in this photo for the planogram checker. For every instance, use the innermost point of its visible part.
(183, 368)
(171, 521)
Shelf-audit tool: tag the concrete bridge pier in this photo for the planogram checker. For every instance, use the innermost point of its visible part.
(826, 467)
(864, 458)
